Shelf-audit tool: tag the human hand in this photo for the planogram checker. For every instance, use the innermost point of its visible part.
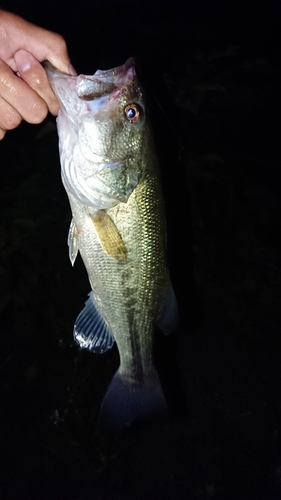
(25, 93)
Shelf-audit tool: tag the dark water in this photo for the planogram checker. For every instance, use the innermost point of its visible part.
(222, 372)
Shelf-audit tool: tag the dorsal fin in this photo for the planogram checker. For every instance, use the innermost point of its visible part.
(168, 320)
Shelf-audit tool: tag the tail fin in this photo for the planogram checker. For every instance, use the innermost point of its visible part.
(127, 404)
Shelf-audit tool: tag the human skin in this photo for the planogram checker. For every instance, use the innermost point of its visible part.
(25, 93)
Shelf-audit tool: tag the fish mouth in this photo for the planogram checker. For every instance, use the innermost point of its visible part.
(53, 72)
(103, 83)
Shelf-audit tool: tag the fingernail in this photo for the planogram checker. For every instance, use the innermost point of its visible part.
(72, 71)
(23, 61)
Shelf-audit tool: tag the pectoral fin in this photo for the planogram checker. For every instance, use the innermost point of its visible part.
(109, 236)
(72, 242)
(90, 330)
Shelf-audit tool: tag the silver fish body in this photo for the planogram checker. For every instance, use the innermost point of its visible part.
(110, 173)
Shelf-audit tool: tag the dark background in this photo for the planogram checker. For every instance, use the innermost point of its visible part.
(212, 73)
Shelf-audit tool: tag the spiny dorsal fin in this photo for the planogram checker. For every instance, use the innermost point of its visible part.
(109, 235)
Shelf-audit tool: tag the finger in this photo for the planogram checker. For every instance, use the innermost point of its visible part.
(43, 44)
(33, 73)
(52, 47)
(9, 117)
(2, 134)
(20, 96)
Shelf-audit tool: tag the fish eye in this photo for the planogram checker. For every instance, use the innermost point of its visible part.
(133, 113)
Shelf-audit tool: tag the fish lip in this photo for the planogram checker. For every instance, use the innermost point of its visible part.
(53, 72)
(113, 79)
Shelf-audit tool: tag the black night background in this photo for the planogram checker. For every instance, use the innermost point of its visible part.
(212, 73)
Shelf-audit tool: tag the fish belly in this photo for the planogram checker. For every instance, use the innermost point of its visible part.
(128, 291)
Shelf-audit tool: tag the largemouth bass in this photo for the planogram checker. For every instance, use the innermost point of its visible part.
(110, 172)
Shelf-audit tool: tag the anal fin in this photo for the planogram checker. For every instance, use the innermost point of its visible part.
(90, 330)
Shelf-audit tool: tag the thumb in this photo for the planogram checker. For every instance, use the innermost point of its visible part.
(41, 43)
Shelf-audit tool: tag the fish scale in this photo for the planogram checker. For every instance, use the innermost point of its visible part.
(136, 285)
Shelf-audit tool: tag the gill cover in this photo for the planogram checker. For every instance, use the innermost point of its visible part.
(97, 164)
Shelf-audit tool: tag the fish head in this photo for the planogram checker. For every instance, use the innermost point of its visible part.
(103, 132)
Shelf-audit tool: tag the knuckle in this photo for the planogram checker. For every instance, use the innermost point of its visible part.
(39, 112)
(60, 42)
(12, 119)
